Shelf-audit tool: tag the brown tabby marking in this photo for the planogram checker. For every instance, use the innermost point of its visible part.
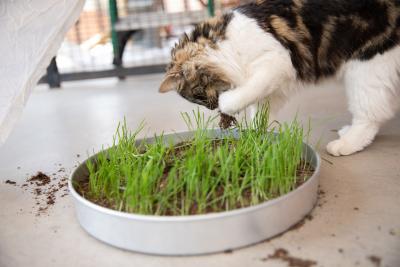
(393, 15)
(322, 35)
(326, 40)
(290, 36)
(357, 22)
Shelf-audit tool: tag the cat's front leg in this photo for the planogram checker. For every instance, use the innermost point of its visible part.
(231, 102)
(253, 90)
(270, 73)
(258, 87)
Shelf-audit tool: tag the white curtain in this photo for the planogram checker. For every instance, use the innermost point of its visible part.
(31, 31)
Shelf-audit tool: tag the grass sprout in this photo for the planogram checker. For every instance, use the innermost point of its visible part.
(252, 163)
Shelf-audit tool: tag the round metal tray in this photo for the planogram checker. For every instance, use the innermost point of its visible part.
(196, 234)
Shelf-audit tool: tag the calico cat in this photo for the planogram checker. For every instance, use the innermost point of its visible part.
(269, 49)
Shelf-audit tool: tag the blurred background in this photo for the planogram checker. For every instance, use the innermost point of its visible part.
(118, 38)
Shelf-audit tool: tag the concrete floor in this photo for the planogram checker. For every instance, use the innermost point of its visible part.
(359, 215)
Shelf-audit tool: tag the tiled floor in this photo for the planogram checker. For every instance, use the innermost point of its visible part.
(359, 216)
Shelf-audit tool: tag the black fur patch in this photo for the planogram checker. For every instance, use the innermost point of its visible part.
(338, 30)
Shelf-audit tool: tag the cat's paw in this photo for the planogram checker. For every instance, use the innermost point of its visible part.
(228, 103)
(341, 147)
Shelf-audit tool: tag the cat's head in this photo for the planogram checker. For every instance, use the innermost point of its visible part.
(190, 72)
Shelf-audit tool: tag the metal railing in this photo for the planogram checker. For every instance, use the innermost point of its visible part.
(118, 38)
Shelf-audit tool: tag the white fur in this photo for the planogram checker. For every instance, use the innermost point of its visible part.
(373, 92)
(261, 69)
(258, 64)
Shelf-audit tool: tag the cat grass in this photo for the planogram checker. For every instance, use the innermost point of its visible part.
(253, 163)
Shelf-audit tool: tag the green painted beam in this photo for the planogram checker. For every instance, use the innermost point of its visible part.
(113, 13)
(211, 8)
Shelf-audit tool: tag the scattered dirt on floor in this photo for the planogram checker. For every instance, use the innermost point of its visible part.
(10, 182)
(375, 260)
(37, 191)
(283, 255)
(45, 189)
(392, 232)
(49, 194)
(40, 179)
(321, 198)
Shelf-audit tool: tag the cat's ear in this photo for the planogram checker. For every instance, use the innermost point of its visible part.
(168, 84)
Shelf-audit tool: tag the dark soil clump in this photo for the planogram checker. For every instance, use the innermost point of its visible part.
(227, 121)
(321, 198)
(40, 179)
(37, 191)
(283, 255)
(375, 260)
(10, 182)
(50, 200)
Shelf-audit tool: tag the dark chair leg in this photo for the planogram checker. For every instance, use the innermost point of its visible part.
(53, 76)
(123, 38)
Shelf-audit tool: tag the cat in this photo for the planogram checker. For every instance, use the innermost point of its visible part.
(267, 50)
